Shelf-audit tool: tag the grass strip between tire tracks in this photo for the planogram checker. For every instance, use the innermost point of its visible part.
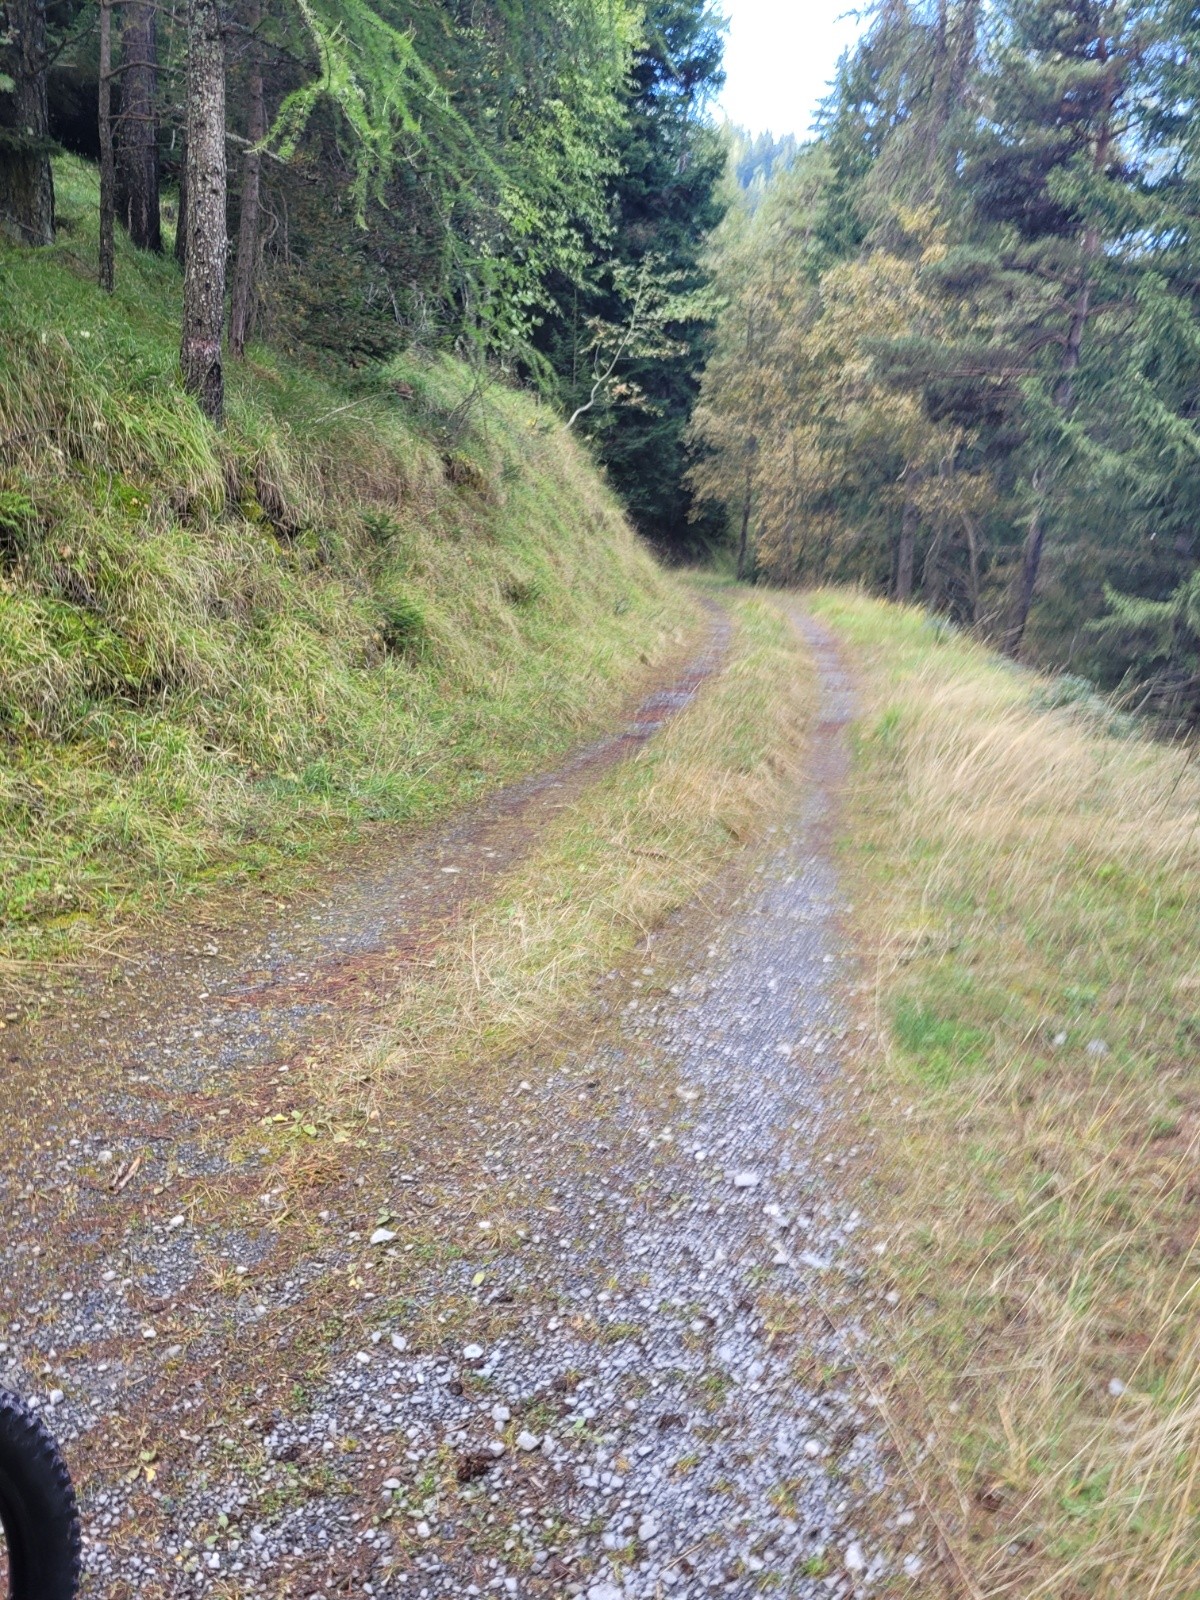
(641, 842)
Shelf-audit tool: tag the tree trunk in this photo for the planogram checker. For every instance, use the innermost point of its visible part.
(743, 560)
(973, 557)
(26, 178)
(906, 551)
(933, 571)
(1022, 595)
(138, 149)
(107, 169)
(1064, 389)
(207, 244)
(245, 271)
(181, 217)
(792, 515)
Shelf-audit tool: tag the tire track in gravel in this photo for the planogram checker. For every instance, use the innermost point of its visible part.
(128, 1103)
(602, 1341)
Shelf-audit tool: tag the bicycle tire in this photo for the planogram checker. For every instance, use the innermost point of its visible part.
(37, 1507)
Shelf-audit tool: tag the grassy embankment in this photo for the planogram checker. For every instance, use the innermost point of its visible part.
(366, 598)
(1032, 878)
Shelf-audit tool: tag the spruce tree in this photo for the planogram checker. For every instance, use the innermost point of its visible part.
(1054, 178)
(664, 198)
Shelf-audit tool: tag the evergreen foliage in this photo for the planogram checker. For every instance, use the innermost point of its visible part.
(982, 338)
(756, 159)
(527, 183)
(663, 191)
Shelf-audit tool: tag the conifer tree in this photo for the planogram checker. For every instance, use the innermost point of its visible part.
(999, 354)
(1053, 175)
(137, 146)
(663, 195)
(26, 181)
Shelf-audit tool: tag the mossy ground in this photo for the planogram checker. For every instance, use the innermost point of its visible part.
(368, 597)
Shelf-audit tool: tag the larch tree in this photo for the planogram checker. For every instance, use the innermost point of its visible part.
(207, 245)
(758, 265)
(989, 401)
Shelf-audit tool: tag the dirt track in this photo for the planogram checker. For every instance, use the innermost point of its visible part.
(588, 1327)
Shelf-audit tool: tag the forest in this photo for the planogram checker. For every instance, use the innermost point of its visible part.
(528, 184)
(947, 348)
(957, 354)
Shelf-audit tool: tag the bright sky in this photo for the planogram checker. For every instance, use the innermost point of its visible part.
(779, 58)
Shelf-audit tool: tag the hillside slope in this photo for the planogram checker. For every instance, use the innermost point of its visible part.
(366, 598)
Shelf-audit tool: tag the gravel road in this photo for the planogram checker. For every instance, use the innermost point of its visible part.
(586, 1327)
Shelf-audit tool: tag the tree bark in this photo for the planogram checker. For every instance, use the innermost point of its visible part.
(245, 271)
(1064, 389)
(792, 517)
(207, 244)
(181, 217)
(973, 557)
(26, 178)
(107, 168)
(138, 145)
(906, 551)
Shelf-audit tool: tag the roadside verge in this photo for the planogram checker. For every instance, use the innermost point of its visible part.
(1028, 870)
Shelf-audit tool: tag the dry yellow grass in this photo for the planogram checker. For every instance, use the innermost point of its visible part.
(1032, 877)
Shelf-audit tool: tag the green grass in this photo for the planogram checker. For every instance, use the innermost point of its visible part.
(1031, 867)
(367, 598)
